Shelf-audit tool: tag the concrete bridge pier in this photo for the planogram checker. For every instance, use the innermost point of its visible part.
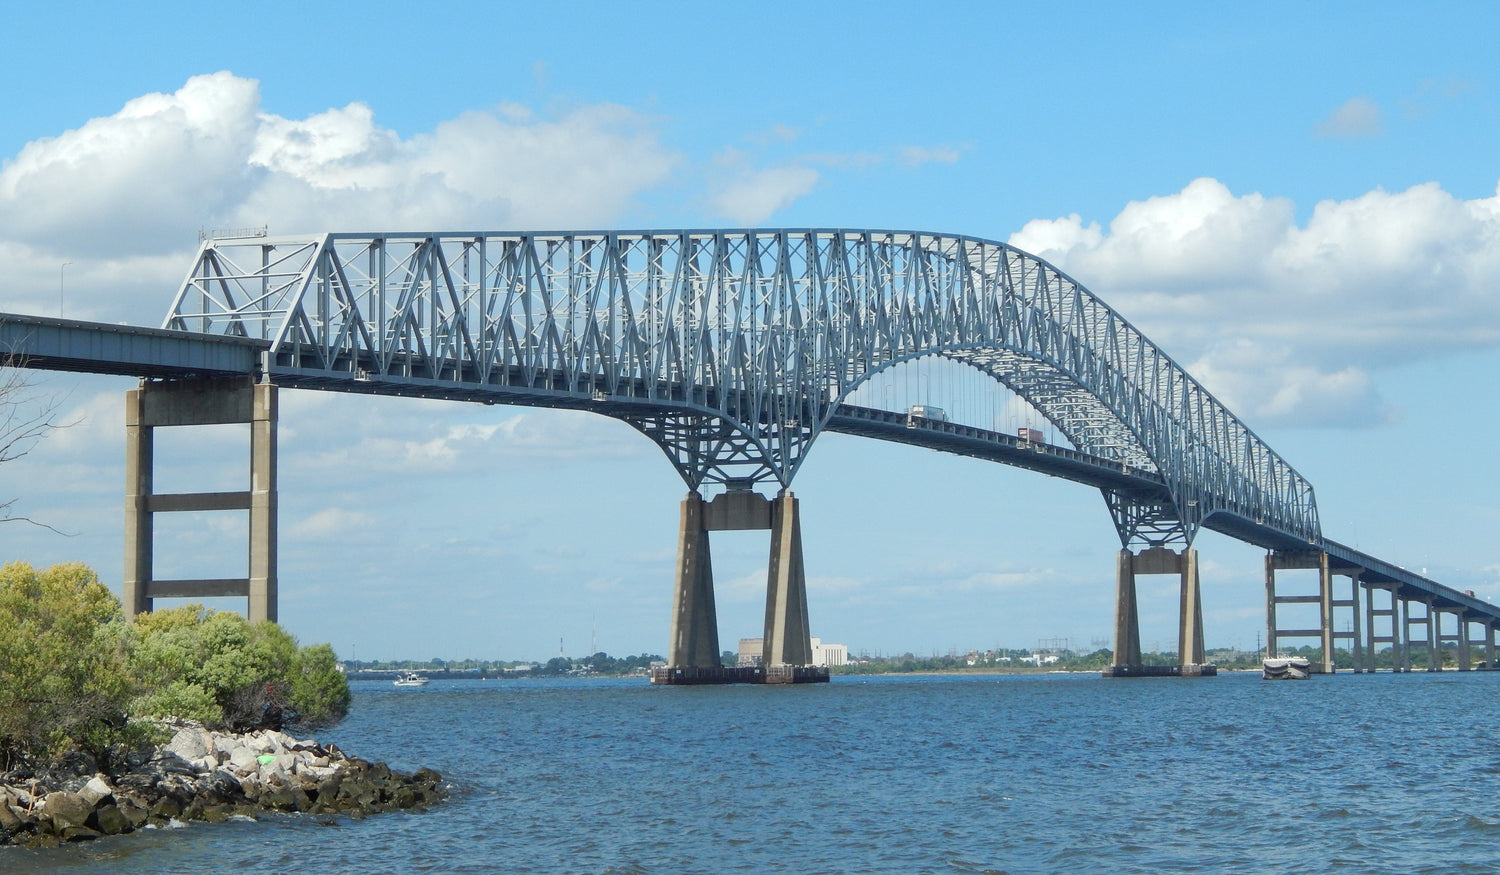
(1354, 635)
(788, 637)
(1190, 652)
(695, 623)
(1390, 616)
(1307, 560)
(787, 641)
(1428, 622)
(190, 402)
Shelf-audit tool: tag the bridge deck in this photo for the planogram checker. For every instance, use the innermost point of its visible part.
(124, 350)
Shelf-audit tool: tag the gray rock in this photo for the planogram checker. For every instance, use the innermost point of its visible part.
(243, 760)
(111, 820)
(96, 789)
(10, 822)
(191, 743)
(65, 810)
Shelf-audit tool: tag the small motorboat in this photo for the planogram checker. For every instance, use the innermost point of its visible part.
(412, 679)
(1285, 668)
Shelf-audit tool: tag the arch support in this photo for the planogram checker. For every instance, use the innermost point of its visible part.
(786, 644)
(1191, 658)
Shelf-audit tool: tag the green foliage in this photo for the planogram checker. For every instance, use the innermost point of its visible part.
(220, 669)
(63, 649)
(319, 691)
(72, 671)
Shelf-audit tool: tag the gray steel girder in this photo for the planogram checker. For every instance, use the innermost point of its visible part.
(734, 349)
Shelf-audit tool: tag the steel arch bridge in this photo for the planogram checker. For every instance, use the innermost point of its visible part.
(734, 349)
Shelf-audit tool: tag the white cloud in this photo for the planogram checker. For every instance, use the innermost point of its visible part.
(1356, 117)
(122, 196)
(1286, 323)
(749, 196)
(416, 436)
(333, 525)
(913, 156)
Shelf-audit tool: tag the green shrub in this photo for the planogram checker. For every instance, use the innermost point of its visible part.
(63, 652)
(73, 672)
(220, 669)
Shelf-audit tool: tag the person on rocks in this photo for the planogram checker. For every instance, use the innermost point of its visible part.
(270, 715)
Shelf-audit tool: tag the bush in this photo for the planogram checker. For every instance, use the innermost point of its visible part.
(63, 655)
(221, 670)
(72, 671)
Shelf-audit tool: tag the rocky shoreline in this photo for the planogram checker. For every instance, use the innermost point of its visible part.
(201, 775)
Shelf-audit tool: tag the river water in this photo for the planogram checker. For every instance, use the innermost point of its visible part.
(1015, 774)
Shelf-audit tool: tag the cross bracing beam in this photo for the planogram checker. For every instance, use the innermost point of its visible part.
(734, 349)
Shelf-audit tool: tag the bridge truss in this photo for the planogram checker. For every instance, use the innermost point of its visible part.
(734, 350)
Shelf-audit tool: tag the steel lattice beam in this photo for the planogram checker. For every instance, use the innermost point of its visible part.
(733, 349)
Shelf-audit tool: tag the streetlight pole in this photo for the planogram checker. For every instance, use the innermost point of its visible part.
(61, 275)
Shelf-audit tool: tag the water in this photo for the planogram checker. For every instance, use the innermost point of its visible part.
(1018, 774)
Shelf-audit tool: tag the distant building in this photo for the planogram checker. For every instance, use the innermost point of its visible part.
(829, 655)
(751, 649)
(750, 652)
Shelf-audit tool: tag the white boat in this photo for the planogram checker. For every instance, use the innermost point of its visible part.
(410, 679)
(1285, 668)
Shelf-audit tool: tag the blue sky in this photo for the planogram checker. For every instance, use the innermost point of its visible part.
(1298, 202)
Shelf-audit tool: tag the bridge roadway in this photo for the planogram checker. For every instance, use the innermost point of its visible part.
(159, 354)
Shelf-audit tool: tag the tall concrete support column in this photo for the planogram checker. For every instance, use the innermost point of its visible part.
(1325, 609)
(1465, 662)
(695, 624)
(788, 638)
(1127, 618)
(1489, 646)
(1190, 615)
(263, 504)
(1406, 622)
(188, 402)
(138, 520)
(1273, 634)
(1357, 653)
(1434, 657)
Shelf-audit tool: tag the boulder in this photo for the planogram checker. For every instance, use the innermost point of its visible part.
(96, 789)
(133, 813)
(65, 810)
(242, 760)
(165, 808)
(10, 822)
(111, 820)
(191, 743)
(172, 763)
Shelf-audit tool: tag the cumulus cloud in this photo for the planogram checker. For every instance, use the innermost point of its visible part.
(122, 196)
(749, 195)
(443, 438)
(1356, 117)
(1285, 322)
(333, 525)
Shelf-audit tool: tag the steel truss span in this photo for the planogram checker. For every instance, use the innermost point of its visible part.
(734, 350)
